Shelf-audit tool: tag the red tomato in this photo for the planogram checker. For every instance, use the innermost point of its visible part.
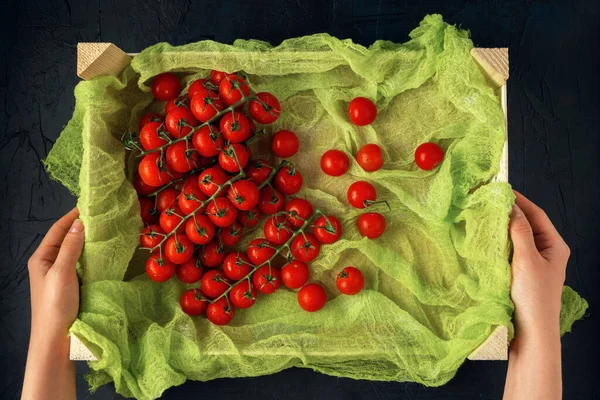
(193, 302)
(175, 102)
(211, 254)
(232, 87)
(149, 117)
(258, 170)
(199, 229)
(208, 141)
(221, 212)
(305, 247)
(294, 274)
(334, 163)
(362, 111)
(190, 271)
(220, 312)
(270, 200)
(171, 218)
(243, 194)
(230, 235)
(299, 210)
(179, 122)
(369, 157)
(152, 136)
(228, 160)
(141, 187)
(214, 283)
(158, 269)
(147, 211)
(206, 108)
(182, 157)
(312, 297)
(361, 194)
(265, 109)
(154, 170)
(236, 266)
(277, 230)
(210, 179)
(260, 251)
(235, 127)
(350, 281)
(199, 86)
(266, 279)
(428, 156)
(165, 86)
(249, 218)
(243, 295)
(179, 248)
(217, 76)
(151, 237)
(288, 180)
(327, 230)
(166, 198)
(285, 144)
(191, 197)
(371, 225)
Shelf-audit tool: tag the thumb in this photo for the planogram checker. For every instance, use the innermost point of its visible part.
(521, 233)
(71, 247)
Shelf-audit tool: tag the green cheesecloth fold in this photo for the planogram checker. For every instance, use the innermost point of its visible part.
(437, 282)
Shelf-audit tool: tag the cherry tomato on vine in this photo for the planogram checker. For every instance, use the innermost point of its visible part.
(288, 180)
(214, 283)
(361, 194)
(221, 212)
(159, 269)
(220, 312)
(334, 163)
(236, 266)
(205, 108)
(193, 302)
(327, 230)
(235, 127)
(166, 198)
(199, 86)
(266, 279)
(260, 251)
(285, 144)
(142, 187)
(217, 76)
(369, 157)
(249, 218)
(305, 247)
(312, 297)
(362, 111)
(211, 255)
(265, 109)
(149, 117)
(277, 230)
(182, 157)
(151, 236)
(175, 102)
(232, 87)
(371, 225)
(243, 295)
(231, 235)
(428, 156)
(199, 229)
(165, 86)
(152, 136)
(299, 210)
(208, 141)
(294, 274)
(243, 194)
(154, 170)
(179, 121)
(191, 197)
(258, 170)
(350, 281)
(179, 248)
(210, 179)
(147, 211)
(190, 271)
(228, 160)
(270, 200)
(170, 218)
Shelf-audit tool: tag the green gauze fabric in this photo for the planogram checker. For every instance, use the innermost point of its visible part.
(437, 282)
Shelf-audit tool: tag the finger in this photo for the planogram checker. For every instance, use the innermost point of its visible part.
(71, 248)
(545, 234)
(521, 234)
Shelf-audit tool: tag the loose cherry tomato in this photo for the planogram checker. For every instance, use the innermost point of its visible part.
(334, 163)
(182, 157)
(243, 295)
(149, 117)
(214, 283)
(179, 248)
(191, 197)
(371, 225)
(249, 218)
(231, 235)
(288, 180)
(190, 271)
(199, 229)
(299, 210)
(170, 219)
(369, 157)
(199, 86)
(210, 179)
(362, 111)
(206, 108)
(243, 194)
(154, 170)
(220, 312)
(312, 297)
(148, 213)
(327, 230)
(151, 236)
(265, 109)
(270, 200)
(236, 266)
(165, 86)
(260, 251)
(305, 247)
(258, 170)
(285, 144)
(428, 156)
(217, 76)
(277, 230)
(152, 136)
(294, 274)
(350, 281)
(235, 127)
(211, 255)
(159, 269)
(175, 102)
(208, 141)
(142, 187)
(232, 87)
(166, 198)
(221, 212)
(228, 160)
(179, 121)
(361, 194)
(193, 302)
(266, 279)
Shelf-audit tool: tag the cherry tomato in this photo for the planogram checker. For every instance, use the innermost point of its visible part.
(211, 255)
(165, 86)
(305, 247)
(191, 197)
(208, 141)
(277, 230)
(152, 136)
(214, 283)
(270, 200)
(235, 127)
(220, 312)
(236, 266)
(369, 157)
(148, 213)
(199, 86)
(159, 269)
(428, 156)
(182, 157)
(151, 236)
(265, 109)
(362, 111)
(294, 274)
(334, 163)
(285, 144)
(170, 219)
(243, 194)
(312, 297)
(142, 187)
(175, 102)
(199, 229)
(217, 76)
(206, 108)
(243, 295)
(179, 248)
(288, 180)
(327, 230)
(221, 212)
(350, 281)
(266, 279)
(190, 271)
(361, 194)
(371, 225)
(179, 121)
(227, 157)
(232, 87)
(149, 117)
(231, 235)
(154, 170)
(260, 251)
(299, 210)
(258, 170)
(210, 179)
(166, 198)
(193, 302)
(249, 218)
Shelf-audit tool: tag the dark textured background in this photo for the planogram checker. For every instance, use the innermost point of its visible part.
(553, 125)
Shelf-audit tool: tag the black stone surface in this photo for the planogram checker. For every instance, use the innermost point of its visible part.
(554, 144)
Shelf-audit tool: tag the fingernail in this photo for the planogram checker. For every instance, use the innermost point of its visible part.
(76, 227)
(516, 211)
